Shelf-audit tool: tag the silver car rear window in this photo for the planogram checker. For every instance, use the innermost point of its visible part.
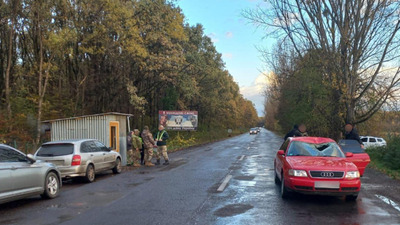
(55, 150)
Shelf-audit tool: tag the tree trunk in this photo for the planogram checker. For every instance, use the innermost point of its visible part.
(40, 100)
(9, 59)
(42, 84)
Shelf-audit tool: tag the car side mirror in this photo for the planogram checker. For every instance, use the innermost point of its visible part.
(109, 149)
(31, 158)
(281, 152)
(349, 154)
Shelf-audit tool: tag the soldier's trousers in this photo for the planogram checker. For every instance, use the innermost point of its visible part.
(148, 154)
(133, 156)
(130, 156)
(162, 150)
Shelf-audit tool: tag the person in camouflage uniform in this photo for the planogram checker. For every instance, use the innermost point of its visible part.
(136, 144)
(149, 143)
(129, 147)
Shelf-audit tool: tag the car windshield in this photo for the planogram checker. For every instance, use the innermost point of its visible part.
(55, 150)
(253, 129)
(330, 149)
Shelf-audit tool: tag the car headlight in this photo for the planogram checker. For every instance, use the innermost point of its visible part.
(352, 174)
(297, 173)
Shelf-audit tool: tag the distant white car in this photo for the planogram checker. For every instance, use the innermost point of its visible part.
(370, 141)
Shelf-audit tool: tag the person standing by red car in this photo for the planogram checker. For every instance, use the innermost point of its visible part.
(350, 133)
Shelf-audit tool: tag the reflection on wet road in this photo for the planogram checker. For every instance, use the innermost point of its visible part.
(228, 182)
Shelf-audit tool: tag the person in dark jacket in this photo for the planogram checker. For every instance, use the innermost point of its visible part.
(161, 140)
(298, 131)
(350, 133)
(141, 150)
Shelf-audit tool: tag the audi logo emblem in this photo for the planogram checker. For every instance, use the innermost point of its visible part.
(327, 174)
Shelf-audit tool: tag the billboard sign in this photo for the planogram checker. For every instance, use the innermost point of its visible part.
(178, 120)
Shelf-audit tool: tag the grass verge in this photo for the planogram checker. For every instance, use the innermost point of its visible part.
(180, 140)
(387, 159)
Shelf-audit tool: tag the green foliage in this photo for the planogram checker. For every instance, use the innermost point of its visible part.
(182, 139)
(303, 96)
(134, 57)
(387, 158)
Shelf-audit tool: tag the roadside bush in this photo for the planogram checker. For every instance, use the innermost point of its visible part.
(180, 141)
(387, 158)
(184, 139)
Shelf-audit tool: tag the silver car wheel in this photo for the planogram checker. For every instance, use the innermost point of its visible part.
(118, 166)
(52, 185)
(90, 173)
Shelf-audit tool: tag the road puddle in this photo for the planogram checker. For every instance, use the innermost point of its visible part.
(247, 183)
(245, 178)
(233, 210)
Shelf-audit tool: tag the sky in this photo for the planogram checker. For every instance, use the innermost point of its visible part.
(236, 39)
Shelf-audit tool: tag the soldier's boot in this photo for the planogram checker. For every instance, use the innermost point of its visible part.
(149, 164)
(136, 164)
(166, 162)
(158, 162)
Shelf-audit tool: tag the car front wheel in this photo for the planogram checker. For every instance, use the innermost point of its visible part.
(90, 174)
(277, 181)
(52, 186)
(284, 191)
(118, 167)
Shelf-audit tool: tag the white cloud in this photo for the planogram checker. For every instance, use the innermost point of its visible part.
(227, 55)
(213, 37)
(229, 34)
(255, 92)
(286, 20)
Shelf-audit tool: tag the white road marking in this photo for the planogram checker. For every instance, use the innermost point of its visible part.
(241, 158)
(389, 202)
(224, 183)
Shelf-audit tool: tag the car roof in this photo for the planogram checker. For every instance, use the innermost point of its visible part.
(70, 141)
(7, 146)
(372, 137)
(312, 140)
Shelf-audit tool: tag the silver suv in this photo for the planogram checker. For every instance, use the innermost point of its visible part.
(80, 158)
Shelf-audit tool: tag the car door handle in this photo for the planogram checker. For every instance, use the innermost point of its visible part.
(104, 153)
(13, 168)
(91, 154)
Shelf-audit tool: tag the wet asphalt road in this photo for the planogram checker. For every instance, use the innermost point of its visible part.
(186, 192)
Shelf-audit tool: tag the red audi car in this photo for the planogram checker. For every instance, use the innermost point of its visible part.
(315, 165)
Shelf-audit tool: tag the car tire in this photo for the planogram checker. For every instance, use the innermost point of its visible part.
(277, 181)
(118, 167)
(90, 174)
(284, 191)
(351, 198)
(51, 186)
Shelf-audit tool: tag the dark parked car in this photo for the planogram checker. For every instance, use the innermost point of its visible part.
(22, 176)
(253, 131)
